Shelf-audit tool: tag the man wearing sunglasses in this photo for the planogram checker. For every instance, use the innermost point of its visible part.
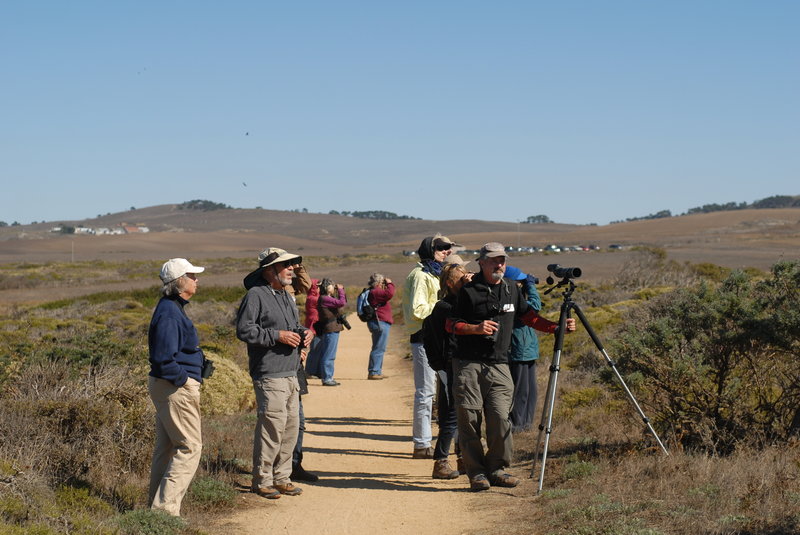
(420, 295)
(268, 323)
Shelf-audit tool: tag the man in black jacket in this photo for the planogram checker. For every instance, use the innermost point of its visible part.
(483, 321)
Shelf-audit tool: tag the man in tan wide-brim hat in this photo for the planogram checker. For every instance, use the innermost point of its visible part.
(270, 325)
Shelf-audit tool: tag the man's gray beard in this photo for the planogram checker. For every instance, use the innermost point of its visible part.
(287, 281)
(497, 275)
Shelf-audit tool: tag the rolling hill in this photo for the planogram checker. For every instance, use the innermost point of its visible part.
(736, 239)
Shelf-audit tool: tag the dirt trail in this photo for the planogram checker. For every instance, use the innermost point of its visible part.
(358, 441)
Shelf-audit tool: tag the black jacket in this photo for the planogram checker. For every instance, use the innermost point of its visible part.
(443, 343)
(480, 301)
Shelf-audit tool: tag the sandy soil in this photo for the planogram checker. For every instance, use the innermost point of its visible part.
(358, 442)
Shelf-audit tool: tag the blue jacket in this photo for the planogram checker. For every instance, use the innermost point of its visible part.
(524, 341)
(175, 354)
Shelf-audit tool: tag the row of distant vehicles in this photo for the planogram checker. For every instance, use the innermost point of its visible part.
(551, 248)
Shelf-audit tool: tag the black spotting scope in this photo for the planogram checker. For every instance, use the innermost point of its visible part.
(564, 272)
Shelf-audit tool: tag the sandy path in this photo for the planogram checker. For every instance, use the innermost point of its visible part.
(358, 442)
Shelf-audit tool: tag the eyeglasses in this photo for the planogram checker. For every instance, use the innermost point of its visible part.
(443, 247)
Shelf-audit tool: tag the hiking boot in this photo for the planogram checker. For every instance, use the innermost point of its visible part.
(288, 488)
(503, 479)
(443, 470)
(375, 376)
(478, 483)
(460, 466)
(270, 493)
(422, 453)
(300, 474)
(331, 382)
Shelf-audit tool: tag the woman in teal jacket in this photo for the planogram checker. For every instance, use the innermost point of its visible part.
(523, 356)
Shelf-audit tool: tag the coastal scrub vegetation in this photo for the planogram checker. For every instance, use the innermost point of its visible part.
(711, 354)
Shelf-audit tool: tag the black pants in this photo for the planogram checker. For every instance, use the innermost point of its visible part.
(297, 454)
(446, 416)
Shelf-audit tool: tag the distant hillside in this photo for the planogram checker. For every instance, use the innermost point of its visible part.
(328, 228)
(776, 201)
(226, 227)
(735, 239)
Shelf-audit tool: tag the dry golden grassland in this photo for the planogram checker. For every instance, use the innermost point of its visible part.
(76, 421)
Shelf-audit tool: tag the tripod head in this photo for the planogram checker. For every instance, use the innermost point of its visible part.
(566, 274)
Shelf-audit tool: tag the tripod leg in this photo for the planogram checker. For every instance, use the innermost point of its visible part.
(546, 424)
(611, 363)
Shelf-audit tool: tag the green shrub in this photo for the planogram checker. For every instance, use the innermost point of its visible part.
(711, 271)
(208, 493)
(717, 364)
(13, 508)
(33, 529)
(150, 522)
(228, 391)
(77, 501)
(92, 426)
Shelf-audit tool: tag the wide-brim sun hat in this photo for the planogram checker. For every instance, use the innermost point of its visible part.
(175, 268)
(456, 259)
(266, 258)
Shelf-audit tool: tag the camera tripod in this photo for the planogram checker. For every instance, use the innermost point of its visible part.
(547, 413)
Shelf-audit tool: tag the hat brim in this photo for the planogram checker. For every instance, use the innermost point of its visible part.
(284, 258)
(253, 277)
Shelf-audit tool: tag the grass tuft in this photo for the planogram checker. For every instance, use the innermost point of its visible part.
(150, 522)
(207, 493)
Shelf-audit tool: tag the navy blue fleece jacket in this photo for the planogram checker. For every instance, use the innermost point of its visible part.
(175, 354)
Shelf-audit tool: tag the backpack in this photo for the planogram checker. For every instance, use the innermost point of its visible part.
(434, 343)
(364, 310)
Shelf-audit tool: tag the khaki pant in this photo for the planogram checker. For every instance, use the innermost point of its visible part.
(483, 390)
(276, 431)
(178, 442)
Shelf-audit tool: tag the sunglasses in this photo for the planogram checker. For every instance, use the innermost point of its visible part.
(442, 247)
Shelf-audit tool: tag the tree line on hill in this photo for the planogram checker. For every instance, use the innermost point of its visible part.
(207, 206)
(775, 201)
(372, 214)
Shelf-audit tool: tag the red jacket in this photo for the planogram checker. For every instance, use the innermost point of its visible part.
(312, 312)
(379, 298)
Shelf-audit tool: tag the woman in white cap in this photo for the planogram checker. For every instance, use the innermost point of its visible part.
(176, 372)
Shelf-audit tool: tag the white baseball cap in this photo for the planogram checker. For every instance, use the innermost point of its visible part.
(176, 268)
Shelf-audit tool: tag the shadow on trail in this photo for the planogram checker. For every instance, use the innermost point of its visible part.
(354, 420)
(364, 453)
(373, 482)
(356, 434)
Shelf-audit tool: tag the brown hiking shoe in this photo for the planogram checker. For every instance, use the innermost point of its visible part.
(443, 470)
(503, 479)
(270, 493)
(375, 377)
(288, 488)
(478, 483)
(422, 453)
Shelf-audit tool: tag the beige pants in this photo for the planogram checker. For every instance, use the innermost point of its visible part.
(276, 430)
(178, 442)
(483, 391)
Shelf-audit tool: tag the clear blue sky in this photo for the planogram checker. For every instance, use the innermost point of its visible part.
(584, 111)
